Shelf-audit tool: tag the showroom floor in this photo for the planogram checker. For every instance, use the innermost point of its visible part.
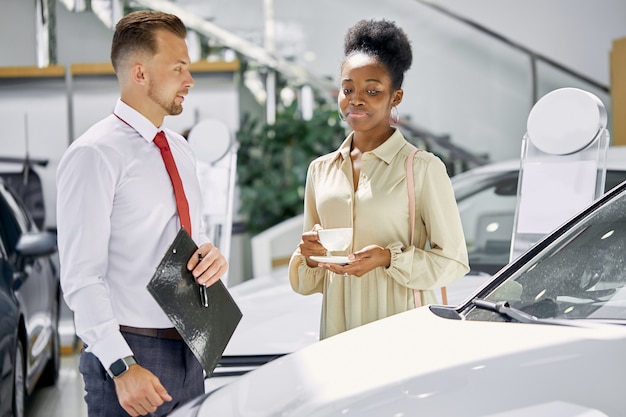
(65, 398)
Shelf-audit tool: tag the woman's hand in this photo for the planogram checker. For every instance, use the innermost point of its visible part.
(311, 246)
(362, 261)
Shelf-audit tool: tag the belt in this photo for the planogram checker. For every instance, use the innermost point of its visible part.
(170, 333)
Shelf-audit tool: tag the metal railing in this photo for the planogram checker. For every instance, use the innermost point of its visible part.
(533, 56)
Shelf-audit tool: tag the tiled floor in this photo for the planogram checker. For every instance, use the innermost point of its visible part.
(65, 399)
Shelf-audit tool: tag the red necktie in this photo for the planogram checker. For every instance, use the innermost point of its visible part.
(181, 200)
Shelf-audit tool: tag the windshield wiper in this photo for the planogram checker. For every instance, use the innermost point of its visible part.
(504, 309)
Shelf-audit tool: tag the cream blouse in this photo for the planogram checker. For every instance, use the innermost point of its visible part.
(378, 212)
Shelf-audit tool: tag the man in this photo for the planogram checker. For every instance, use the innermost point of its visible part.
(117, 215)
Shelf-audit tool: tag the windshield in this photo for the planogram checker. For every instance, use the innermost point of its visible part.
(581, 275)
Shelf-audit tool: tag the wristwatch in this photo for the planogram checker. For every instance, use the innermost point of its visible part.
(120, 366)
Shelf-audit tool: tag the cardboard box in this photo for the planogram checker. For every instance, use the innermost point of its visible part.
(618, 91)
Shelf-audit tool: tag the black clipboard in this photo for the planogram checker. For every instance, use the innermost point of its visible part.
(206, 330)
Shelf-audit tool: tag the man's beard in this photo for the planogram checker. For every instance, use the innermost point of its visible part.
(171, 108)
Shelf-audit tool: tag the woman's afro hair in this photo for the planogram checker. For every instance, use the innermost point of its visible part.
(383, 40)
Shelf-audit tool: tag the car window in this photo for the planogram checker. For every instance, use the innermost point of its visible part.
(613, 179)
(487, 203)
(13, 220)
(3, 252)
(580, 275)
(487, 209)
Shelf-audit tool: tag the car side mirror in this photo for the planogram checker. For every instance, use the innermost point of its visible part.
(33, 245)
(36, 244)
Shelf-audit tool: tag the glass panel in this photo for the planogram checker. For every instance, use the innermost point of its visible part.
(563, 163)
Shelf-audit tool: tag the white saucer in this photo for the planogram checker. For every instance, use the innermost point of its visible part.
(341, 260)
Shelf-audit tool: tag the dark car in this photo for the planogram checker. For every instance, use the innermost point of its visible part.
(29, 306)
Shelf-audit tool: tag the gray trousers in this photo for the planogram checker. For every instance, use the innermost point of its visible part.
(170, 360)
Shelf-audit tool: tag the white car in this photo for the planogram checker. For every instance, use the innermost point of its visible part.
(277, 321)
(545, 336)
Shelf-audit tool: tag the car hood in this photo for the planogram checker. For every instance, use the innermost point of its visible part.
(276, 320)
(417, 363)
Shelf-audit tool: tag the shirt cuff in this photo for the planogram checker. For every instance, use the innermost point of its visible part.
(110, 349)
(401, 264)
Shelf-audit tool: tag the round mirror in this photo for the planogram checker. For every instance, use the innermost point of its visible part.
(210, 140)
(565, 121)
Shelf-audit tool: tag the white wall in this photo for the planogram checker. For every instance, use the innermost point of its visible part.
(81, 37)
(575, 33)
(462, 83)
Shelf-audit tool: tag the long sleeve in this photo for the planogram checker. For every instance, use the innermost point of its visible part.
(439, 254)
(304, 279)
(88, 183)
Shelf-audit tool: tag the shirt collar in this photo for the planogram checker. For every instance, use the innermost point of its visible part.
(136, 120)
(385, 151)
(344, 148)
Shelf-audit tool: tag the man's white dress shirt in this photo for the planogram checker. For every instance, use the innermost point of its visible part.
(116, 217)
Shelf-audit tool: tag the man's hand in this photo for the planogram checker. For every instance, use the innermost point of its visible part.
(139, 391)
(209, 267)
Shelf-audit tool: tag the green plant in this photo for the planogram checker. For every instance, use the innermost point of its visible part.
(272, 162)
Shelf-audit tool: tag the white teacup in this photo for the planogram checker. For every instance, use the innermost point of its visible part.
(337, 239)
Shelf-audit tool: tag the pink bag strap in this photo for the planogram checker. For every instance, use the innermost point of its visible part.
(410, 183)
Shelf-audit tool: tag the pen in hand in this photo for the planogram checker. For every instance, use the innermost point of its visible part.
(204, 298)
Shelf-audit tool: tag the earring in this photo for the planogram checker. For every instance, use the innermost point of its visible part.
(395, 118)
(343, 119)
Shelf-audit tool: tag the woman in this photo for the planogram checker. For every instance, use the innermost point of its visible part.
(363, 185)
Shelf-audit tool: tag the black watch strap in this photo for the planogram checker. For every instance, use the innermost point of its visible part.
(120, 366)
